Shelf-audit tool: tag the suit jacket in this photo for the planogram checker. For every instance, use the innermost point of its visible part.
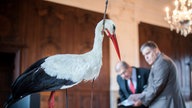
(163, 90)
(142, 78)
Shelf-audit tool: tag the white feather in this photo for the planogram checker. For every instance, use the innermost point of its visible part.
(80, 67)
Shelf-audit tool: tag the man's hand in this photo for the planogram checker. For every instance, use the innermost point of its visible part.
(135, 97)
(137, 103)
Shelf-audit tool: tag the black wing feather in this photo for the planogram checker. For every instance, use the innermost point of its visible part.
(29, 70)
(34, 80)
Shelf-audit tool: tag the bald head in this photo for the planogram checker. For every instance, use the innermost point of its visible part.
(124, 70)
(121, 64)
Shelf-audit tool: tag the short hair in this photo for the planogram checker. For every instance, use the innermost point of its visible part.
(150, 44)
(121, 64)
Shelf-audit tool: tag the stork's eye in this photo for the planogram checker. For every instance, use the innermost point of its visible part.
(114, 27)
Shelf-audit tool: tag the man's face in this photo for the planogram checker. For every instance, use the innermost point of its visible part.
(150, 55)
(125, 73)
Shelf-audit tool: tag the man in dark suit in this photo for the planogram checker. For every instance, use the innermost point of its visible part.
(131, 80)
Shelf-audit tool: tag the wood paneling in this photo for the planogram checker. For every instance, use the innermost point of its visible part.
(177, 47)
(39, 28)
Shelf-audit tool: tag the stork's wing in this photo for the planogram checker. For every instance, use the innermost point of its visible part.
(36, 81)
(33, 80)
(29, 70)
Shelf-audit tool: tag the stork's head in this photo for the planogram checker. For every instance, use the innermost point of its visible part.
(108, 27)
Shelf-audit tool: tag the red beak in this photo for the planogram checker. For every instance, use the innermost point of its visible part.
(114, 40)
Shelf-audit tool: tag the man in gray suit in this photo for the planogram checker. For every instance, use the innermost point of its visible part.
(163, 89)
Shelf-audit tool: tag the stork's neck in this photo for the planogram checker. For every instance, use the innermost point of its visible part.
(97, 46)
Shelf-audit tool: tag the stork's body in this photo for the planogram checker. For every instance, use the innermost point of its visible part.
(61, 71)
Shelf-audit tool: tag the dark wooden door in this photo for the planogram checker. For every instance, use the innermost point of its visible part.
(178, 47)
(6, 75)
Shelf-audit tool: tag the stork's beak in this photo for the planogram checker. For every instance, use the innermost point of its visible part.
(114, 40)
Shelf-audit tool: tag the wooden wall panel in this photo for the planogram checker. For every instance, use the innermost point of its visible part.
(177, 47)
(41, 29)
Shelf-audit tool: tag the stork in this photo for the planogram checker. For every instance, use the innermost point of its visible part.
(62, 71)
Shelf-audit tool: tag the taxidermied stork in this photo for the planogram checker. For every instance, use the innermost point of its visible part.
(63, 71)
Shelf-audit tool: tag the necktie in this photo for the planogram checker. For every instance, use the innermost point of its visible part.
(131, 86)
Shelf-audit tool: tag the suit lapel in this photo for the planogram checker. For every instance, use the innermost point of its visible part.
(138, 80)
